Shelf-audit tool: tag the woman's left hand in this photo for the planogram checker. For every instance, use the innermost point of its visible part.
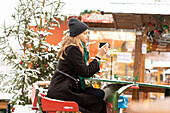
(103, 50)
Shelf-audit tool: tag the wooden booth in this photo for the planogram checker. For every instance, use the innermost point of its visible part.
(152, 34)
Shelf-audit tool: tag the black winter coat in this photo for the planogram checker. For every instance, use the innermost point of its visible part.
(62, 87)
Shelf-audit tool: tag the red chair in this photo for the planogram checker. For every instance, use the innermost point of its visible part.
(48, 105)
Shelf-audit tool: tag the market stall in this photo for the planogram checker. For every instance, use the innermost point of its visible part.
(151, 35)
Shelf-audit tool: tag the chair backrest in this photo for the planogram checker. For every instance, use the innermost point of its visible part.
(35, 90)
(48, 104)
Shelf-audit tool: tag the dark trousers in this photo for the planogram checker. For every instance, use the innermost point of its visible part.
(98, 92)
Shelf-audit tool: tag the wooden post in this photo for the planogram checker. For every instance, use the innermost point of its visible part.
(158, 76)
(139, 61)
(135, 95)
(160, 70)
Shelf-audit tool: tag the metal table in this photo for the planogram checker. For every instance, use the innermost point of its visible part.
(143, 87)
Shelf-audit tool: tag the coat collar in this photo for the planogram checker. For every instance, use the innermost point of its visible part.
(86, 53)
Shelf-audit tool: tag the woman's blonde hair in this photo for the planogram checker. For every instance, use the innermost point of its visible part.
(67, 41)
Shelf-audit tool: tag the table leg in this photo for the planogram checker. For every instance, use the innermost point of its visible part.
(135, 95)
(167, 92)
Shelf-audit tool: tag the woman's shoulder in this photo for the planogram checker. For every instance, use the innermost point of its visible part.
(71, 48)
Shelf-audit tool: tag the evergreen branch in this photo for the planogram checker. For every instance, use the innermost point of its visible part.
(41, 17)
(34, 14)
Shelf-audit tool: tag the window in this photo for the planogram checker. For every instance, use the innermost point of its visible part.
(122, 44)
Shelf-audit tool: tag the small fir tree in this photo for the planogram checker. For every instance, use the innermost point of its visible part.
(36, 59)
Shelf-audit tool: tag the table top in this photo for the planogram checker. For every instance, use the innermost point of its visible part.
(129, 82)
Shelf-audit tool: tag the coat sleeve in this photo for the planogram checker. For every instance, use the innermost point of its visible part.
(79, 66)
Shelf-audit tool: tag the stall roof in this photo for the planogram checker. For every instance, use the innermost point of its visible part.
(128, 14)
(118, 6)
(140, 6)
(129, 20)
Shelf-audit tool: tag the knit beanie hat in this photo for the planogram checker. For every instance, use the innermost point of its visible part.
(76, 27)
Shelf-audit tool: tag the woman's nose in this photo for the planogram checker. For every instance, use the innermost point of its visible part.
(88, 35)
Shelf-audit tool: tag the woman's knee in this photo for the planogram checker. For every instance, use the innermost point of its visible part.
(98, 92)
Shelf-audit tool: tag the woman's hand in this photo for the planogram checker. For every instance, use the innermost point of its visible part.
(103, 50)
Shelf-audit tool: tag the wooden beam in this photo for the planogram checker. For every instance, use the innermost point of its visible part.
(102, 25)
(152, 89)
(115, 21)
(141, 16)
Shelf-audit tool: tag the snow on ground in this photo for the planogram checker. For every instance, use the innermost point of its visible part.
(23, 109)
(5, 96)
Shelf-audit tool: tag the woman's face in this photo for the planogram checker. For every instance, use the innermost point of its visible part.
(85, 36)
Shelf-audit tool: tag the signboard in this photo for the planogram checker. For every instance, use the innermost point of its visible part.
(124, 57)
(97, 17)
(158, 56)
(144, 50)
(157, 59)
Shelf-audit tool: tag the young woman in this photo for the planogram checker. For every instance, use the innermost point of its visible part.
(73, 56)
